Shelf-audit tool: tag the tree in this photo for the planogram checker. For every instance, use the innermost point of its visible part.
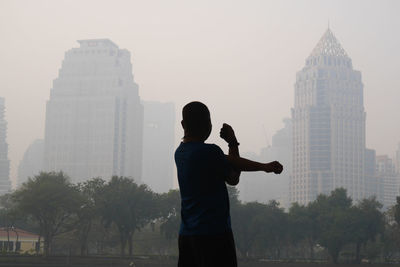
(303, 226)
(128, 206)
(334, 221)
(233, 194)
(367, 222)
(88, 211)
(272, 228)
(171, 210)
(391, 237)
(8, 217)
(50, 199)
(397, 211)
(246, 225)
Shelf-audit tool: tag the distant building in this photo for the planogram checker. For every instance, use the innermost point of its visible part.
(398, 159)
(5, 184)
(32, 162)
(94, 118)
(389, 179)
(158, 145)
(328, 125)
(262, 187)
(20, 241)
(373, 184)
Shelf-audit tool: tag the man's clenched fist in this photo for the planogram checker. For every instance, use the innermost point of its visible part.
(274, 167)
(227, 134)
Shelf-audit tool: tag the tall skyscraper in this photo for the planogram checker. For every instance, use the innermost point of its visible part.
(5, 184)
(328, 125)
(94, 118)
(158, 145)
(32, 162)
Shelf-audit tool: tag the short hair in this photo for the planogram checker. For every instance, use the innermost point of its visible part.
(196, 118)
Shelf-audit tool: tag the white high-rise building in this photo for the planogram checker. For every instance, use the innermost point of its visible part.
(94, 118)
(5, 184)
(158, 145)
(328, 125)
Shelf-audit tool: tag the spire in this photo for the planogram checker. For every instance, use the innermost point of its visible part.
(328, 45)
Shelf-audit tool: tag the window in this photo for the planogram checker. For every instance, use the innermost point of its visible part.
(10, 246)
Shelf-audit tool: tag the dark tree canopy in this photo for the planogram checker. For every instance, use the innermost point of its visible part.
(51, 200)
(128, 206)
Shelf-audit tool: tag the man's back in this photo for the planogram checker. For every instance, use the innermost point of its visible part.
(205, 204)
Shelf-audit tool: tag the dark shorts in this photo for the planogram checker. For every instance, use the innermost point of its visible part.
(207, 250)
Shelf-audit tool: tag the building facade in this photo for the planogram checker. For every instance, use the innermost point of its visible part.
(374, 185)
(328, 125)
(389, 180)
(94, 117)
(5, 184)
(19, 241)
(32, 161)
(158, 145)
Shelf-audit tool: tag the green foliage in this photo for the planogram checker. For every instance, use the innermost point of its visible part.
(391, 237)
(246, 223)
(367, 223)
(88, 211)
(334, 221)
(397, 210)
(50, 199)
(303, 226)
(127, 205)
(171, 209)
(101, 217)
(273, 225)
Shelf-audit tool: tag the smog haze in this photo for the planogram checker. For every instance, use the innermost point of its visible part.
(238, 57)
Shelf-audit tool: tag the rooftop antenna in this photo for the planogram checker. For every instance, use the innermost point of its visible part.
(328, 25)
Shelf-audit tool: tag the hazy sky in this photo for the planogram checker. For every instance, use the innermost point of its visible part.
(239, 57)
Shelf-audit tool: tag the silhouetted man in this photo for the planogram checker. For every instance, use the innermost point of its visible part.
(205, 236)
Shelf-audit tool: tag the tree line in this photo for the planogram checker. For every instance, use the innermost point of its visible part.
(98, 216)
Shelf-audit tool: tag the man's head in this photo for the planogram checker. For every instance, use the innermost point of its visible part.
(196, 120)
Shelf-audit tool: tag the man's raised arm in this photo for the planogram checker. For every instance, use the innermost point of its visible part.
(241, 164)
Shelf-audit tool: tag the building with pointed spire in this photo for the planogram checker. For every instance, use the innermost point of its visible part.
(5, 184)
(94, 117)
(328, 125)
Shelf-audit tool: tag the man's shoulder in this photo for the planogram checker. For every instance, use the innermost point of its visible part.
(199, 147)
(214, 147)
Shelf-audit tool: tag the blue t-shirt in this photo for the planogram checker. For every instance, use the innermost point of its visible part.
(202, 169)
